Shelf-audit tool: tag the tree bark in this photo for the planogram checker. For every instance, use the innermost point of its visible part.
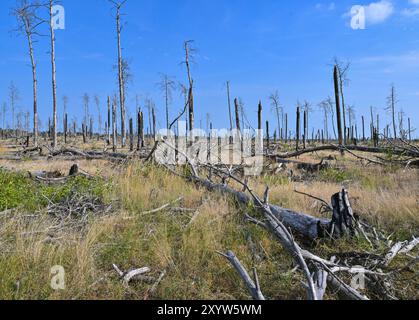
(338, 111)
(54, 84)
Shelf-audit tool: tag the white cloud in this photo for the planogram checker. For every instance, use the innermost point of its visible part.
(378, 12)
(373, 13)
(411, 12)
(326, 7)
(408, 59)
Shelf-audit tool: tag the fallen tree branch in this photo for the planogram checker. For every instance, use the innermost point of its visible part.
(252, 286)
(129, 276)
(394, 150)
(162, 207)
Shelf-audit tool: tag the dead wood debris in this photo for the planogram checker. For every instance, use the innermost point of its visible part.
(319, 272)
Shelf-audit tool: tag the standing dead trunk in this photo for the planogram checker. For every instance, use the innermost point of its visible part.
(114, 142)
(140, 128)
(305, 129)
(154, 124)
(363, 128)
(190, 91)
(392, 108)
(297, 129)
(286, 127)
(260, 109)
(131, 135)
(54, 84)
(108, 128)
(65, 128)
(28, 23)
(121, 84)
(236, 104)
(229, 106)
(338, 111)
(84, 132)
(410, 130)
(91, 129)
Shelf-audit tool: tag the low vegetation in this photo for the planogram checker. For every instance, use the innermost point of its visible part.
(182, 239)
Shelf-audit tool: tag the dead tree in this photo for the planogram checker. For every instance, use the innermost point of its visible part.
(391, 108)
(51, 22)
(84, 132)
(86, 100)
(91, 129)
(65, 128)
(281, 222)
(99, 113)
(114, 142)
(118, 5)
(4, 111)
(237, 111)
(343, 69)
(153, 111)
(28, 24)
(326, 107)
(188, 57)
(307, 109)
(140, 128)
(13, 97)
(260, 109)
(409, 129)
(229, 106)
(279, 110)
(305, 129)
(108, 127)
(253, 286)
(297, 128)
(363, 128)
(167, 85)
(337, 99)
(131, 135)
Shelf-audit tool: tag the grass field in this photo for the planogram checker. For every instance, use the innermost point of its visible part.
(182, 240)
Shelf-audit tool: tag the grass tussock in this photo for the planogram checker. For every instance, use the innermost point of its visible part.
(183, 239)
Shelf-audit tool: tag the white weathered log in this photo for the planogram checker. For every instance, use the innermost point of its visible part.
(131, 275)
(303, 224)
(252, 286)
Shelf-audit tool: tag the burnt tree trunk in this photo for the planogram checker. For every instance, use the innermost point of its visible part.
(338, 111)
(114, 138)
(131, 135)
(297, 133)
(65, 128)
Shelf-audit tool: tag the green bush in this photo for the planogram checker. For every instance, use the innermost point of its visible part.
(19, 191)
(335, 175)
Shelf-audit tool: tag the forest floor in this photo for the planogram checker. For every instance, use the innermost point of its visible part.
(87, 225)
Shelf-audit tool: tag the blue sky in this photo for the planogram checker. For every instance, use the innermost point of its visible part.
(259, 46)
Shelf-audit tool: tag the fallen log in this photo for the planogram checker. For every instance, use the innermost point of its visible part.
(90, 155)
(395, 151)
(252, 286)
(303, 224)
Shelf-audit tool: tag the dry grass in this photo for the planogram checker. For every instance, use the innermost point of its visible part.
(185, 243)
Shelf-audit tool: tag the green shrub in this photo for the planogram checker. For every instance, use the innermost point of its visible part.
(19, 191)
(335, 175)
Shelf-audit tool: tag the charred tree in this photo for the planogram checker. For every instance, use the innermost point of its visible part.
(338, 111)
